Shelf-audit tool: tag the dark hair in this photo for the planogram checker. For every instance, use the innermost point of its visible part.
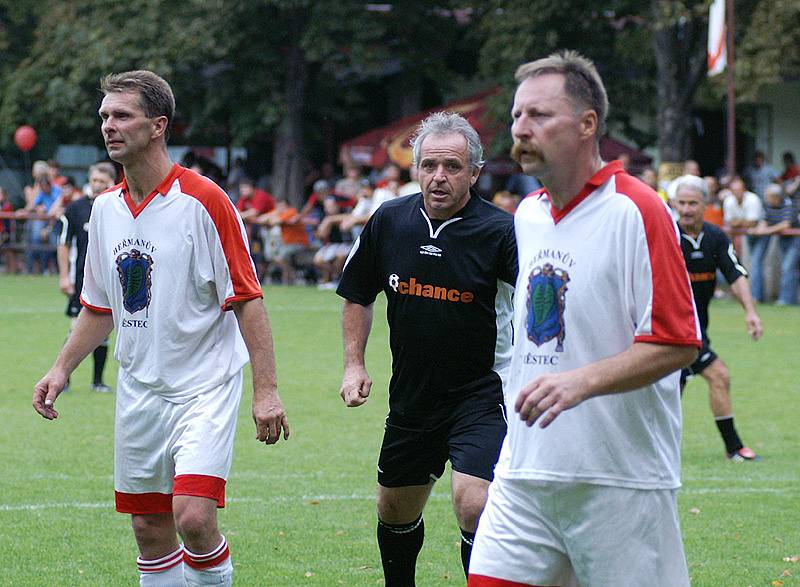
(155, 95)
(582, 83)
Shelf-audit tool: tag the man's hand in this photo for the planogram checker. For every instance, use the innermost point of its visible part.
(754, 326)
(46, 391)
(356, 386)
(549, 395)
(66, 285)
(270, 418)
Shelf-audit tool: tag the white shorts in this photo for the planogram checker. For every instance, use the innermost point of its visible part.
(163, 448)
(536, 533)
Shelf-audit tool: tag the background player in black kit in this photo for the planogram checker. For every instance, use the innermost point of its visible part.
(447, 262)
(72, 255)
(706, 248)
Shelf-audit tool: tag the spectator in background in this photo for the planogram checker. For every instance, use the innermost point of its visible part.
(69, 192)
(236, 175)
(522, 184)
(791, 175)
(505, 200)
(330, 258)
(713, 212)
(760, 174)
(741, 209)
(649, 177)
(252, 203)
(779, 214)
(40, 198)
(364, 208)
(349, 184)
(6, 234)
(691, 167)
(54, 173)
(412, 186)
(390, 173)
(292, 239)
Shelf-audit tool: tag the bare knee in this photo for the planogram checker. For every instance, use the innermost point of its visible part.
(196, 521)
(469, 499)
(154, 533)
(718, 375)
(402, 505)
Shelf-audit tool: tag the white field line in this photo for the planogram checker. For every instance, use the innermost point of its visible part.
(352, 497)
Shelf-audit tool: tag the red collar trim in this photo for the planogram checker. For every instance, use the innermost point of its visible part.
(594, 182)
(162, 188)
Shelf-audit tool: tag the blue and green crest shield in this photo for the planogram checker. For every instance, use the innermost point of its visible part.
(546, 290)
(134, 270)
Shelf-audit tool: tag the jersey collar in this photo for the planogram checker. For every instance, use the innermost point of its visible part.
(594, 182)
(162, 188)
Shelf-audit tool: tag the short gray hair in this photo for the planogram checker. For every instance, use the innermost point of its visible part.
(582, 83)
(445, 123)
(692, 182)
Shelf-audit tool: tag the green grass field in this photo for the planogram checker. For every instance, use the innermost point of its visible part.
(302, 512)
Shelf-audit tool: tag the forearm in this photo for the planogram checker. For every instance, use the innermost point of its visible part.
(741, 291)
(639, 365)
(91, 329)
(62, 254)
(356, 325)
(257, 333)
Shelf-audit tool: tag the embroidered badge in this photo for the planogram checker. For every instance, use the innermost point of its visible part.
(134, 270)
(547, 288)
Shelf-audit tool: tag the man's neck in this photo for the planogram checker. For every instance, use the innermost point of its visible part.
(694, 230)
(567, 183)
(145, 175)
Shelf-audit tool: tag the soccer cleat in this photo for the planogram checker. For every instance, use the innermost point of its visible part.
(742, 455)
(101, 388)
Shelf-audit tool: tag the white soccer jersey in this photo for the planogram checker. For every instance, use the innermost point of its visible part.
(593, 278)
(166, 270)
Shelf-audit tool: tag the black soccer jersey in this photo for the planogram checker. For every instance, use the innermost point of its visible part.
(711, 250)
(448, 285)
(75, 224)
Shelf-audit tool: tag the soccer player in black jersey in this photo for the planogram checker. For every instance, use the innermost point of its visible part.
(446, 261)
(706, 248)
(75, 237)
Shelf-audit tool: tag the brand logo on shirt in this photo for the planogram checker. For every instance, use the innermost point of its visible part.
(424, 290)
(430, 250)
(135, 269)
(547, 288)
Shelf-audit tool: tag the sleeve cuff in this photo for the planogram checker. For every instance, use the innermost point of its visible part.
(228, 305)
(694, 342)
(98, 309)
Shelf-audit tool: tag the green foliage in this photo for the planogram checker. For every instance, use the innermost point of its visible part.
(302, 512)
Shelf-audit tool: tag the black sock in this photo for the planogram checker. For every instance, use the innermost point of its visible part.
(399, 546)
(467, 538)
(729, 435)
(100, 354)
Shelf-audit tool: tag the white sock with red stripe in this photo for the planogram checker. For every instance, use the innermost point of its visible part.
(166, 571)
(211, 568)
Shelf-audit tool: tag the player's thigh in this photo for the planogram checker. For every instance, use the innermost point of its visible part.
(621, 536)
(477, 430)
(202, 438)
(518, 540)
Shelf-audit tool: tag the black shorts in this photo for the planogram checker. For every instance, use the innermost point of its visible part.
(468, 433)
(74, 305)
(705, 357)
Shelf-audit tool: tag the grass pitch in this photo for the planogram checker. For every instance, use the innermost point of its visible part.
(302, 512)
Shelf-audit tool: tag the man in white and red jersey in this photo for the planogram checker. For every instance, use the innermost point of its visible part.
(167, 257)
(585, 487)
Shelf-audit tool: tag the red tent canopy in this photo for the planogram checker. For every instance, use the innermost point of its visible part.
(390, 143)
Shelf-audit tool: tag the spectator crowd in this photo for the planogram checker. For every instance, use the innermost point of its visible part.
(309, 246)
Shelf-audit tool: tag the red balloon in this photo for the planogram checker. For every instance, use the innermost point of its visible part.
(25, 138)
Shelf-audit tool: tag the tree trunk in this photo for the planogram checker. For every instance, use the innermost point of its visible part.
(289, 149)
(680, 46)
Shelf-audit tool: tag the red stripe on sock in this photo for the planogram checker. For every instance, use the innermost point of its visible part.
(160, 564)
(200, 561)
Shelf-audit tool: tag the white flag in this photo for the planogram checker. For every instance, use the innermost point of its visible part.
(717, 51)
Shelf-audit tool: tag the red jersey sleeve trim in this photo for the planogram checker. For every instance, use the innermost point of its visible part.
(98, 309)
(143, 503)
(484, 581)
(201, 486)
(668, 341)
(227, 222)
(673, 314)
(228, 305)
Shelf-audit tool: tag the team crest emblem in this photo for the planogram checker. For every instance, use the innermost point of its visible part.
(134, 271)
(547, 288)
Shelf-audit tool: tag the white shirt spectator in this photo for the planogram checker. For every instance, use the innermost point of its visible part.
(751, 208)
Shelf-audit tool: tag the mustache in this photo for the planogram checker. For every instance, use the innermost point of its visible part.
(519, 147)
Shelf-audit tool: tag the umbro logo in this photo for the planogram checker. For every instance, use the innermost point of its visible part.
(430, 250)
